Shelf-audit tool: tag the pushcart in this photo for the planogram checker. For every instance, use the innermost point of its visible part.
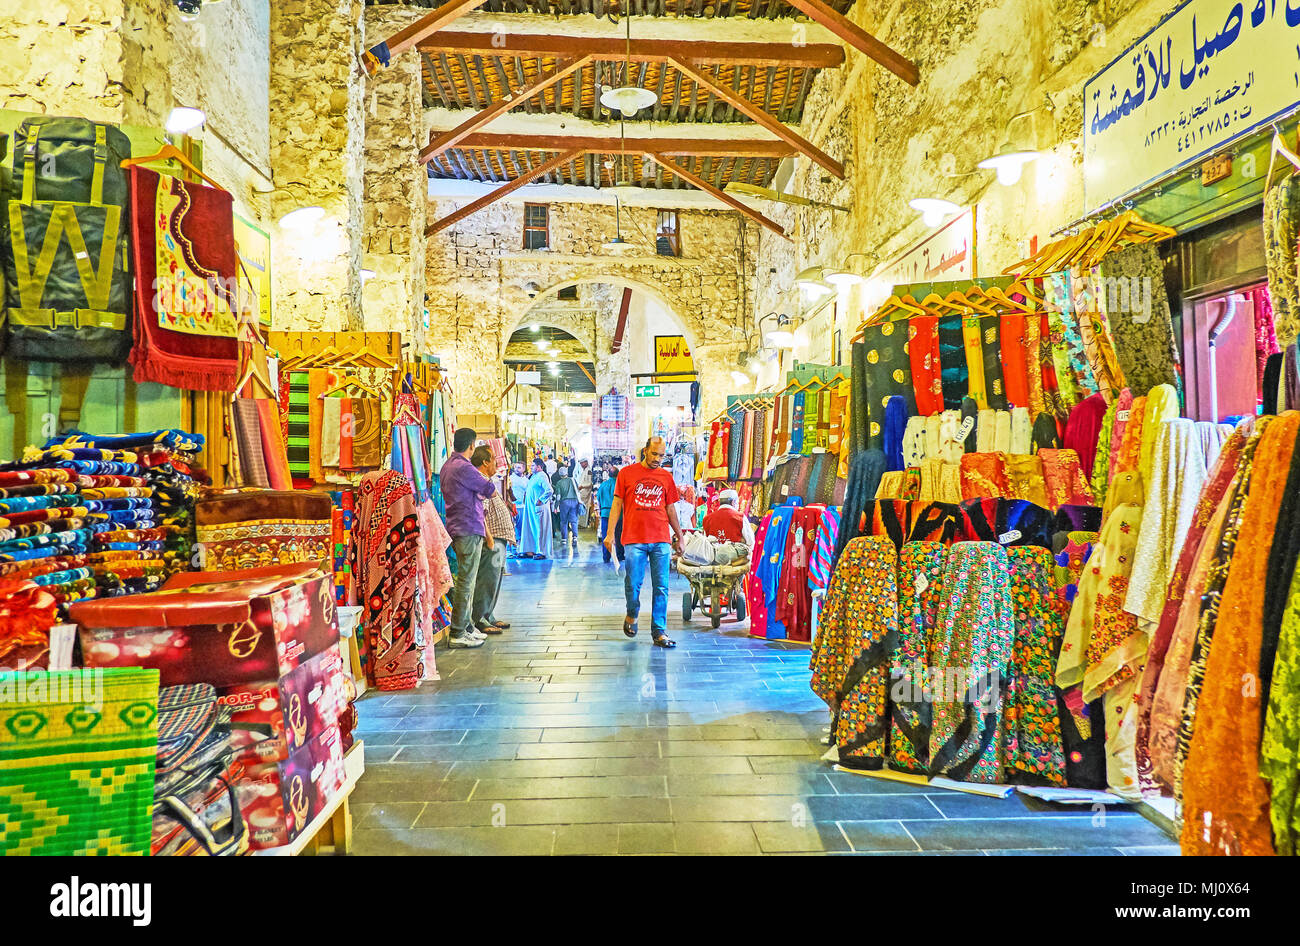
(715, 590)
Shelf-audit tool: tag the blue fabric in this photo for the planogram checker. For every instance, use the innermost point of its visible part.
(796, 425)
(637, 557)
(535, 535)
(769, 566)
(895, 423)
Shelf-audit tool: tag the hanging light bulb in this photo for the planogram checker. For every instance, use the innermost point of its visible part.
(628, 99)
(934, 210)
(1009, 163)
(740, 378)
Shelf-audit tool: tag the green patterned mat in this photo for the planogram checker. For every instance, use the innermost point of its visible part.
(77, 757)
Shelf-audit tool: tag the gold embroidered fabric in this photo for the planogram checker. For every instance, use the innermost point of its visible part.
(1024, 473)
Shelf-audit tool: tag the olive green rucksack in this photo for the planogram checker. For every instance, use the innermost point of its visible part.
(66, 260)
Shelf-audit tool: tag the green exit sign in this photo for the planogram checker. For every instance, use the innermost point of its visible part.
(647, 390)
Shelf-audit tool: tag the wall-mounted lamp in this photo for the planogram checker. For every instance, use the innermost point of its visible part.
(183, 120)
(812, 282)
(303, 219)
(934, 210)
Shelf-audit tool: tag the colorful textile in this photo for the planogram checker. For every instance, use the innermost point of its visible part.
(887, 372)
(755, 600)
(920, 596)
(923, 355)
(858, 635)
(1015, 361)
(952, 361)
(273, 450)
(983, 474)
(1031, 729)
(1104, 649)
(298, 435)
(1034, 367)
(1225, 801)
(1281, 228)
(248, 441)
(1064, 479)
(974, 348)
(1137, 310)
(385, 552)
(1279, 757)
(76, 776)
(367, 433)
(896, 422)
(970, 650)
(991, 358)
(1083, 429)
(183, 243)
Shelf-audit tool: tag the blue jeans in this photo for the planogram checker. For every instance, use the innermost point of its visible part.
(604, 527)
(636, 557)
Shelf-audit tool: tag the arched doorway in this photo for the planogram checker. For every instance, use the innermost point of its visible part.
(630, 327)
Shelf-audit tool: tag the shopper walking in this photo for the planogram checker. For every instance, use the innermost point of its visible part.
(500, 533)
(582, 479)
(518, 481)
(644, 494)
(535, 536)
(605, 499)
(463, 490)
(566, 496)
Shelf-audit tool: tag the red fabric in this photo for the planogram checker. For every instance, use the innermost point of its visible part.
(180, 359)
(923, 353)
(725, 525)
(646, 495)
(1084, 428)
(273, 449)
(1015, 376)
(794, 596)
(347, 424)
(1051, 387)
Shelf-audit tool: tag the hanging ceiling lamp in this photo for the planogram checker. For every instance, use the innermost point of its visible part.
(627, 99)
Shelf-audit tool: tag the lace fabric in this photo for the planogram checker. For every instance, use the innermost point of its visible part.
(1225, 802)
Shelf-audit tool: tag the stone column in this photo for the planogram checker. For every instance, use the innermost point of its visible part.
(396, 186)
(317, 134)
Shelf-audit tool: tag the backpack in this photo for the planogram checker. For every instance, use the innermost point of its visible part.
(66, 261)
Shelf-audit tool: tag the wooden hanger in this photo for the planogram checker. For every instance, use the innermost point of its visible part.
(351, 382)
(252, 374)
(169, 152)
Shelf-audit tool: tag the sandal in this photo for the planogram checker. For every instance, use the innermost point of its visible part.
(663, 641)
(504, 625)
(629, 627)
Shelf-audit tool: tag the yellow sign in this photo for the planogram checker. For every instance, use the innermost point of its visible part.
(254, 248)
(1209, 73)
(673, 356)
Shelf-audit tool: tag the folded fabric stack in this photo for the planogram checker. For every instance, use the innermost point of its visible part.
(77, 753)
(143, 487)
(194, 810)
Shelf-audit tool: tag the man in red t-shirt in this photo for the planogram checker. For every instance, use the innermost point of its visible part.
(725, 523)
(643, 498)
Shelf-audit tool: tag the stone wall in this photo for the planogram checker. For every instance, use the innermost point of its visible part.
(393, 213)
(132, 61)
(477, 277)
(317, 136)
(981, 63)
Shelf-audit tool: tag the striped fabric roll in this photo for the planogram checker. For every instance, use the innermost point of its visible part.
(819, 566)
(298, 441)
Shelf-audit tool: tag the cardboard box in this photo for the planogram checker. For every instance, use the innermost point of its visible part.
(221, 628)
(279, 799)
(270, 721)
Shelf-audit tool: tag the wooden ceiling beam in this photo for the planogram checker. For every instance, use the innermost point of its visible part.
(714, 147)
(449, 139)
(723, 196)
(492, 197)
(859, 39)
(756, 114)
(738, 53)
(406, 38)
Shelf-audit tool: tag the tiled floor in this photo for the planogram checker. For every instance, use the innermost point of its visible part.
(563, 737)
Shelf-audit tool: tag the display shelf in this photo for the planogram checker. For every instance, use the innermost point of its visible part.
(333, 826)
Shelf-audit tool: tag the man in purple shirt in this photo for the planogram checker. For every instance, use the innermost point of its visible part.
(463, 490)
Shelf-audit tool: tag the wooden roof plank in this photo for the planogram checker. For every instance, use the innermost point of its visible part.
(483, 116)
(859, 39)
(612, 49)
(756, 114)
(723, 196)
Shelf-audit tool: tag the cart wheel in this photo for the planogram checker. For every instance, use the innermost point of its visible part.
(740, 607)
(687, 605)
(715, 612)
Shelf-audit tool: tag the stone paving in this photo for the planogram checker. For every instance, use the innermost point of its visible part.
(563, 737)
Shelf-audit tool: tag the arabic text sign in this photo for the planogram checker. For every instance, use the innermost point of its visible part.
(1212, 70)
(946, 254)
(672, 355)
